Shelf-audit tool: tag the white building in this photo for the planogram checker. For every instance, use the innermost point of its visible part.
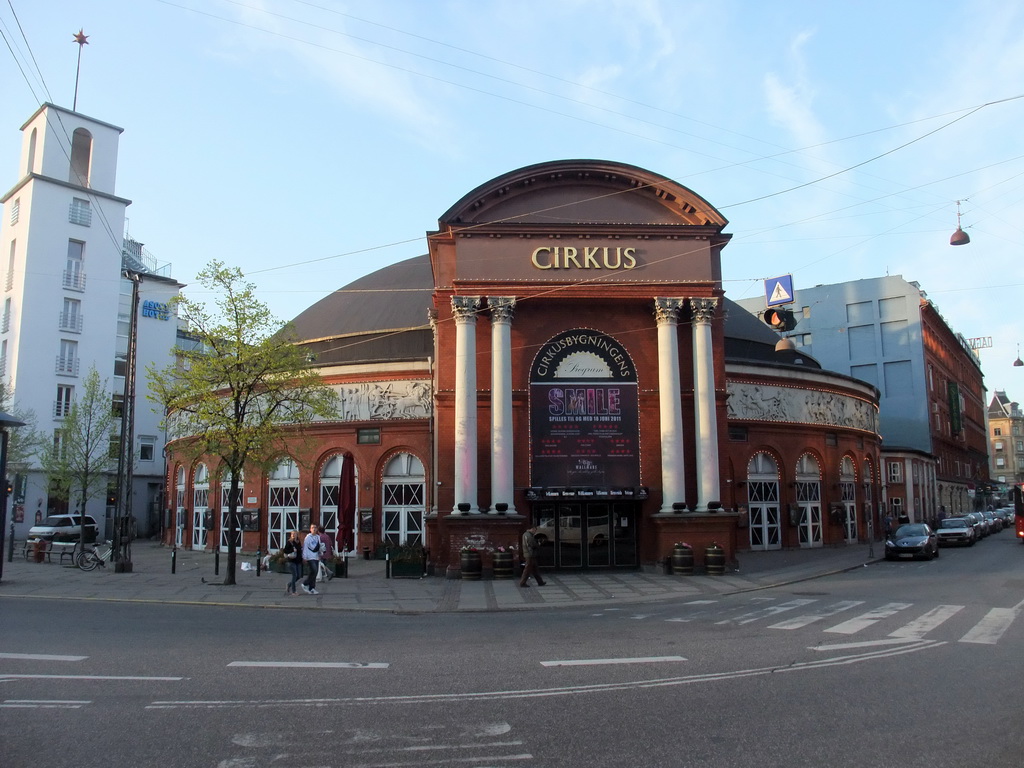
(67, 300)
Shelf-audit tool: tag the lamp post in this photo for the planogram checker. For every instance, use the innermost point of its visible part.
(6, 422)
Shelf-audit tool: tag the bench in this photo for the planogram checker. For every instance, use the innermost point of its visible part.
(63, 549)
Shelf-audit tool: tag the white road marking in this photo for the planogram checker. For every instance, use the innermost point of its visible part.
(313, 664)
(42, 704)
(809, 618)
(589, 662)
(921, 626)
(701, 602)
(41, 657)
(503, 696)
(867, 619)
(991, 628)
(5, 676)
(766, 612)
(862, 644)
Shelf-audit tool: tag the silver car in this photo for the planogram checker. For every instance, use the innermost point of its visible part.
(956, 531)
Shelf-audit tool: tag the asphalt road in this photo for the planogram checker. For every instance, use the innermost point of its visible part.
(900, 664)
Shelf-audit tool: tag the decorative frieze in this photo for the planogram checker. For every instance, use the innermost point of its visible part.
(765, 402)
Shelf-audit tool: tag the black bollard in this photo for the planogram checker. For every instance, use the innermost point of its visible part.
(10, 545)
(216, 562)
(174, 559)
(258, 553)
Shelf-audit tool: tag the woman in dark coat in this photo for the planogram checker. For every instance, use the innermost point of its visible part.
(293, 556)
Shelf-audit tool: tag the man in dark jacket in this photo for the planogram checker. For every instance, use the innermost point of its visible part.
(530, 550)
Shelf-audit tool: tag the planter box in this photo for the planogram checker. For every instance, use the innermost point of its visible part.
(406, 569)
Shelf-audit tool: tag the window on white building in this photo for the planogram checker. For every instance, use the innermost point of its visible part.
(62, 405)
(147, 448)
(9, 283)
(67, 360)
(15, 211)
(895, 472)
(74, 274)
(998, 445)
(80, 212)
(71, 316)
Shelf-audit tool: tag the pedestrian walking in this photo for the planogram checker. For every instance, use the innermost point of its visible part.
(293, 556)
(311, 548)
(530, 550)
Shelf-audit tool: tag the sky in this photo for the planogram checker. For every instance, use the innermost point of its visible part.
(312, 142)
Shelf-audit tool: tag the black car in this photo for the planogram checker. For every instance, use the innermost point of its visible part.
(956, 531)
(912, 541)
(980, 524)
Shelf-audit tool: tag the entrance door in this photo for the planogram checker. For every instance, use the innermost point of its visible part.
(586, 535)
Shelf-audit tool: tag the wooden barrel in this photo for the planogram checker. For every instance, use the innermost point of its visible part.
(682, 561)
(503, 565)
(714, 560)
(470, 566)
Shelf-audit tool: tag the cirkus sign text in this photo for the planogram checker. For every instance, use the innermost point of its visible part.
(597, 257)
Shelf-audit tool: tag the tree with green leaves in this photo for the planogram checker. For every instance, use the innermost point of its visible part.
(240, 390)
(24, 443)
(80, 462)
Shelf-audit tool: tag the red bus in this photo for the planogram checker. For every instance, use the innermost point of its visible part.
(1018, 512)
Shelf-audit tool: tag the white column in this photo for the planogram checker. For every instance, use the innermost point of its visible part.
(673, 474)
(464, 309)
(708, 487)
(502, 311)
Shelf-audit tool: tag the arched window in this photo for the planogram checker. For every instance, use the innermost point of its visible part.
(31, 165)
(404, 492)
(848, 494)
(283, 506)
(180, 513)
(763, 501)
(200, 505)
(81, 157)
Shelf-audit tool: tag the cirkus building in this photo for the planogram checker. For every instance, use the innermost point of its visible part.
(564, 356)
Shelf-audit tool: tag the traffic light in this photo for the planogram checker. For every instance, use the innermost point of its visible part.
(10, 487)
(779, 319)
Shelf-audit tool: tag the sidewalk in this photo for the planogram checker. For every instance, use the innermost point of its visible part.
(367, 589)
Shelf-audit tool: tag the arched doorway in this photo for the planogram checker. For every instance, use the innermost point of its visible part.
(763, 502)
(330, 500)
(225, 509)
(808, 499)
(200, 506)
(283, 503)
(403, 493)
(180, 513)
(848, 495)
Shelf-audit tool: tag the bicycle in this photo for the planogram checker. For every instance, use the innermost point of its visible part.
(88, 559)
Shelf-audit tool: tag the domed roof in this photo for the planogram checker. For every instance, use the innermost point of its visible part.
(382, 317)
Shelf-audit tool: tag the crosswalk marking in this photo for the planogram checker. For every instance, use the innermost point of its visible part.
(809, 618)
(922, 625)
(867, 619)
(991, 628)
(769, 611)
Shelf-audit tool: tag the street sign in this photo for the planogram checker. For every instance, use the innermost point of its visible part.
(778, 291)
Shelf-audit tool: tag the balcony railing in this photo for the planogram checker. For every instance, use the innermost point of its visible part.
(70, 321)
(74, 281)
(60, 409)
(67, 366)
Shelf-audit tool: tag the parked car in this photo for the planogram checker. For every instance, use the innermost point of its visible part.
(958, 531)
(1006, 515)
(979, 522)
(995, 524)
(65, 528)
(912, 541)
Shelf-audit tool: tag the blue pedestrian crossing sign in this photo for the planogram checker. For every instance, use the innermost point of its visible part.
(778, 291)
